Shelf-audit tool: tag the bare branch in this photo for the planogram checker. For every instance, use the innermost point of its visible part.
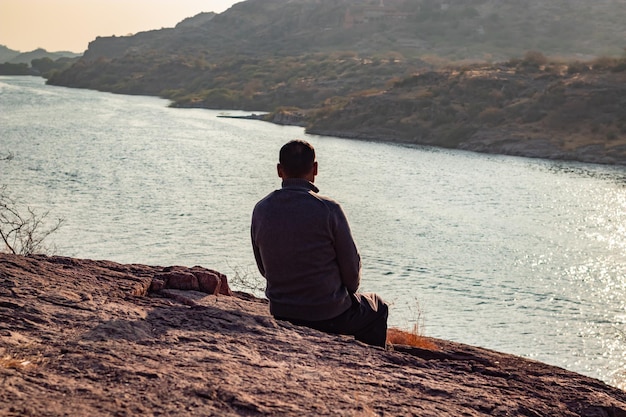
(23, 235)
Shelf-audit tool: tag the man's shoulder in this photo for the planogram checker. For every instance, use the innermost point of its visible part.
(278, 197)
(326, 200)
(265, 200)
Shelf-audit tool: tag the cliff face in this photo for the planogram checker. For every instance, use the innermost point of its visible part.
(85, 338)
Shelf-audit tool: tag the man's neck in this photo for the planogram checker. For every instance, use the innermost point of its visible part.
(299, 183)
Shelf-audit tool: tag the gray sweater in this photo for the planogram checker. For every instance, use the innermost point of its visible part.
(304, 249)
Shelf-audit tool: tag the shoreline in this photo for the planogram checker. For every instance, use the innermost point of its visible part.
(503, 143)
(492, 142)
(535, 149)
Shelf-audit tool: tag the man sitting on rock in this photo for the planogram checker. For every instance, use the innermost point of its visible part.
(304, 249)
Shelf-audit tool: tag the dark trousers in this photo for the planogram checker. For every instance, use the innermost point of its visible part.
(366, 320)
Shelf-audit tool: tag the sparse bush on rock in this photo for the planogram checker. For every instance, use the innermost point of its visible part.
(23, 230)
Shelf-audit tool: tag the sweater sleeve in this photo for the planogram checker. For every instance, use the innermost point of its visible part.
(348, 257)
(256, 250)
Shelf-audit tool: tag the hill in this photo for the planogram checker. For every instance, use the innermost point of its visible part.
(307, 57)
(11, 56)
(84, 338)
(37, 62)
(40, 53)
(7, 54)
(529, 107)
(261, 54)
(456, 30)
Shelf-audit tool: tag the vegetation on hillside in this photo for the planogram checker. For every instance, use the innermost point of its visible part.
(492, 30)
(569, 105)
(262, 54)
(38, 62)
(407, 71)
(14, 69)
(45, 67)
(240, 82)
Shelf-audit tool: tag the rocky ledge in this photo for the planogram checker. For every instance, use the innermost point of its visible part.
(97, 338)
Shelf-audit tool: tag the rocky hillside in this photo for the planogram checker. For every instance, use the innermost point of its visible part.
(470, 29)
(97, 338)
(347, 68)
(262, 54)
(527, 107)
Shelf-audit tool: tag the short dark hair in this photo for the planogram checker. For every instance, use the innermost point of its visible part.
(297, 158)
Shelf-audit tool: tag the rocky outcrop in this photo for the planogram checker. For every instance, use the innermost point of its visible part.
(195, 279)
(196, 21)
(98, 338)
(287, 117)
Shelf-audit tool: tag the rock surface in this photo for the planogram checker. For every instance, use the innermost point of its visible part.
(90, 338)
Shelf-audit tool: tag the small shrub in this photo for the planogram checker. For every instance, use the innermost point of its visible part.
(9, 362)
(23, 233)
(534, 59)
(491, 115)
(409, 338)
(513, 63)
(577, 67)
(247, 281)
(604, 63)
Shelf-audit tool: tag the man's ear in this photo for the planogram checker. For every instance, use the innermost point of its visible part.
(279, 170)
(315, 168)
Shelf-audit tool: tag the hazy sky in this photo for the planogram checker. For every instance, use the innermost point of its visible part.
(69, 25)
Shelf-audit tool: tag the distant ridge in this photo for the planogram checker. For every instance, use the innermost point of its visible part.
(467, 30)
(16, 57)
(7, 54)
(197, 20)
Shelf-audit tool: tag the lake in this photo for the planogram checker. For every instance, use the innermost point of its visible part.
(519, 255)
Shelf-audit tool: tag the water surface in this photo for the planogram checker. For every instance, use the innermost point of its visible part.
(519, 255)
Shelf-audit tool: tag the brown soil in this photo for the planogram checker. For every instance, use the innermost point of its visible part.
(88, 338)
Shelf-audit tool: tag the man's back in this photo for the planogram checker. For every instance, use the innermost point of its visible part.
(304, 249)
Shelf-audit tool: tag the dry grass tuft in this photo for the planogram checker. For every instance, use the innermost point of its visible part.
(8, 362)
(412, 338)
